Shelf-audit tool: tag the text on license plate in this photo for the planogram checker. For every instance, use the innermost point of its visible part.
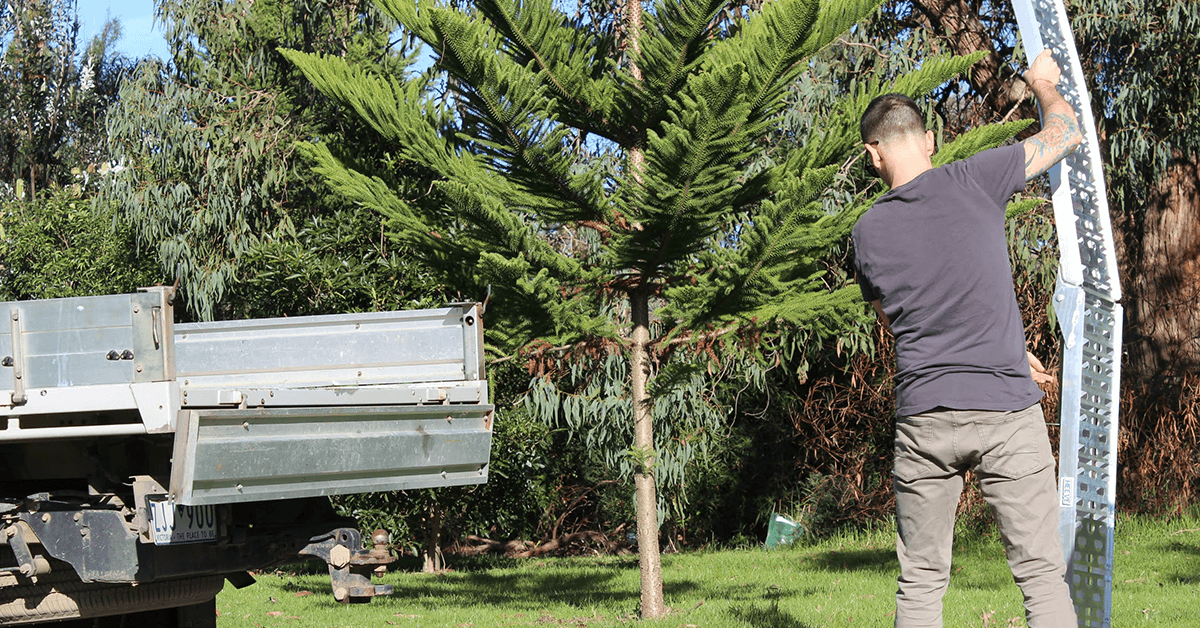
(172, 523)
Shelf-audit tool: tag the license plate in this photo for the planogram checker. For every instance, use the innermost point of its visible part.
(172, 523)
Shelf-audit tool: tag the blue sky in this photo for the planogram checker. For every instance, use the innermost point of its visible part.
(137, 16)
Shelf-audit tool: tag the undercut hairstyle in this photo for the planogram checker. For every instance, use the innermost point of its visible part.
(891, 117)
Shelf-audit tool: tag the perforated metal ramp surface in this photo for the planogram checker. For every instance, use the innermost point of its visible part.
(1087, 302)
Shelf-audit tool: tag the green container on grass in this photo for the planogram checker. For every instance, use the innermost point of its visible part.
(782, 531)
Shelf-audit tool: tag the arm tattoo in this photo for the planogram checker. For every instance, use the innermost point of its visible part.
(1058, 137)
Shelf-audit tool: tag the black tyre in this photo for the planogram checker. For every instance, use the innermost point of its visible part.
(61, 596)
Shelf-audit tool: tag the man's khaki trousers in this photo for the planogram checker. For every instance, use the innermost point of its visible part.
(1010, 454)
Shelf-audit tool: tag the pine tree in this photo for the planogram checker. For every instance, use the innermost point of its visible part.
(600, 178)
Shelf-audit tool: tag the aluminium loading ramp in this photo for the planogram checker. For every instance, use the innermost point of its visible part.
(1087, 303)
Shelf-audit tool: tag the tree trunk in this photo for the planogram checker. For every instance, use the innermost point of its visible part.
(643, 444)
(645, 497)
(1164, 282)
(432, 553)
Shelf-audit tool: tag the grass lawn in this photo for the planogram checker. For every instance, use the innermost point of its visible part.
(844, 581)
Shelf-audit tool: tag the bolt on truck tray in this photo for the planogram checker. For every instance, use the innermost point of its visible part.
(142, 463)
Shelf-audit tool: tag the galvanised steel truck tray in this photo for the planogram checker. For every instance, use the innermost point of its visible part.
(135, 451)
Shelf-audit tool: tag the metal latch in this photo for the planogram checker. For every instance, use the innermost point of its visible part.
(17, 360)
(230, 397)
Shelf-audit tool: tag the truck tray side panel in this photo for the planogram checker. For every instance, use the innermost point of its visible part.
(263, 454)
(324, 351)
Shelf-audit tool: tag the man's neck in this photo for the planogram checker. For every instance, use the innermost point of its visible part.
(907, 168)
(907, 159)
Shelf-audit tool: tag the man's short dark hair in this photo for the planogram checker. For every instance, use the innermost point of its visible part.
(889, 117)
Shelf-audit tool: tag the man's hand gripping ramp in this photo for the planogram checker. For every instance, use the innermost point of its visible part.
(1087, 303)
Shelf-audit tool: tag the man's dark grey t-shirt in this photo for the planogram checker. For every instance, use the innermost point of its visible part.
(934, 251)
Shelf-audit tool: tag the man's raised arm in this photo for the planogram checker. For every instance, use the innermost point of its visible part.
(1060, 132)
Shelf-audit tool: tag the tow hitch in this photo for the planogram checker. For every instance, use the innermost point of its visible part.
(350, 566)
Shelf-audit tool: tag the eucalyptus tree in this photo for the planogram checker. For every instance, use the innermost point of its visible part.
(204, 144)
(599, 178)
(1141, 56)
(54, 91)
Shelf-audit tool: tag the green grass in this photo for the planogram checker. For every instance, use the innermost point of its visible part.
(844, 581)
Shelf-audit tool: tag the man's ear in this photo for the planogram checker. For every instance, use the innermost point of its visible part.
(930, 144)
(874, 156)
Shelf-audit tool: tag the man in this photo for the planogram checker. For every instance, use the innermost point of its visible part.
(932, 258)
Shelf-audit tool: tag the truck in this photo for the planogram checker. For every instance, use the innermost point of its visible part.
(145, 463)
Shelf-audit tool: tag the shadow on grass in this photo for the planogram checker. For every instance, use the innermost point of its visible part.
(968, 571)
(305, 568)
(487, 562)
(748, 593)
(1184, 571)
(767, 617)
(489, 582)
(876, 560)
(580, 586)
(529, 585)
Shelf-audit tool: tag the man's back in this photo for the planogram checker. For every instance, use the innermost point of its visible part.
(934, 251)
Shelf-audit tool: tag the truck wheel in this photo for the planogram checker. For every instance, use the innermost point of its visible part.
(203, 615)
(60, 596)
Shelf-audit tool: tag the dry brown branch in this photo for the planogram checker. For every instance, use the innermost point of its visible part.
(476, 545)
(480, 545)
(555, 544)
(575, 502)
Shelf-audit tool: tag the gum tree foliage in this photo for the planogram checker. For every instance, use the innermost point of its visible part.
(590, 400)
(1141, 58)
(53, 95)
(63, 245)
(208, 178)
(600, 177)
